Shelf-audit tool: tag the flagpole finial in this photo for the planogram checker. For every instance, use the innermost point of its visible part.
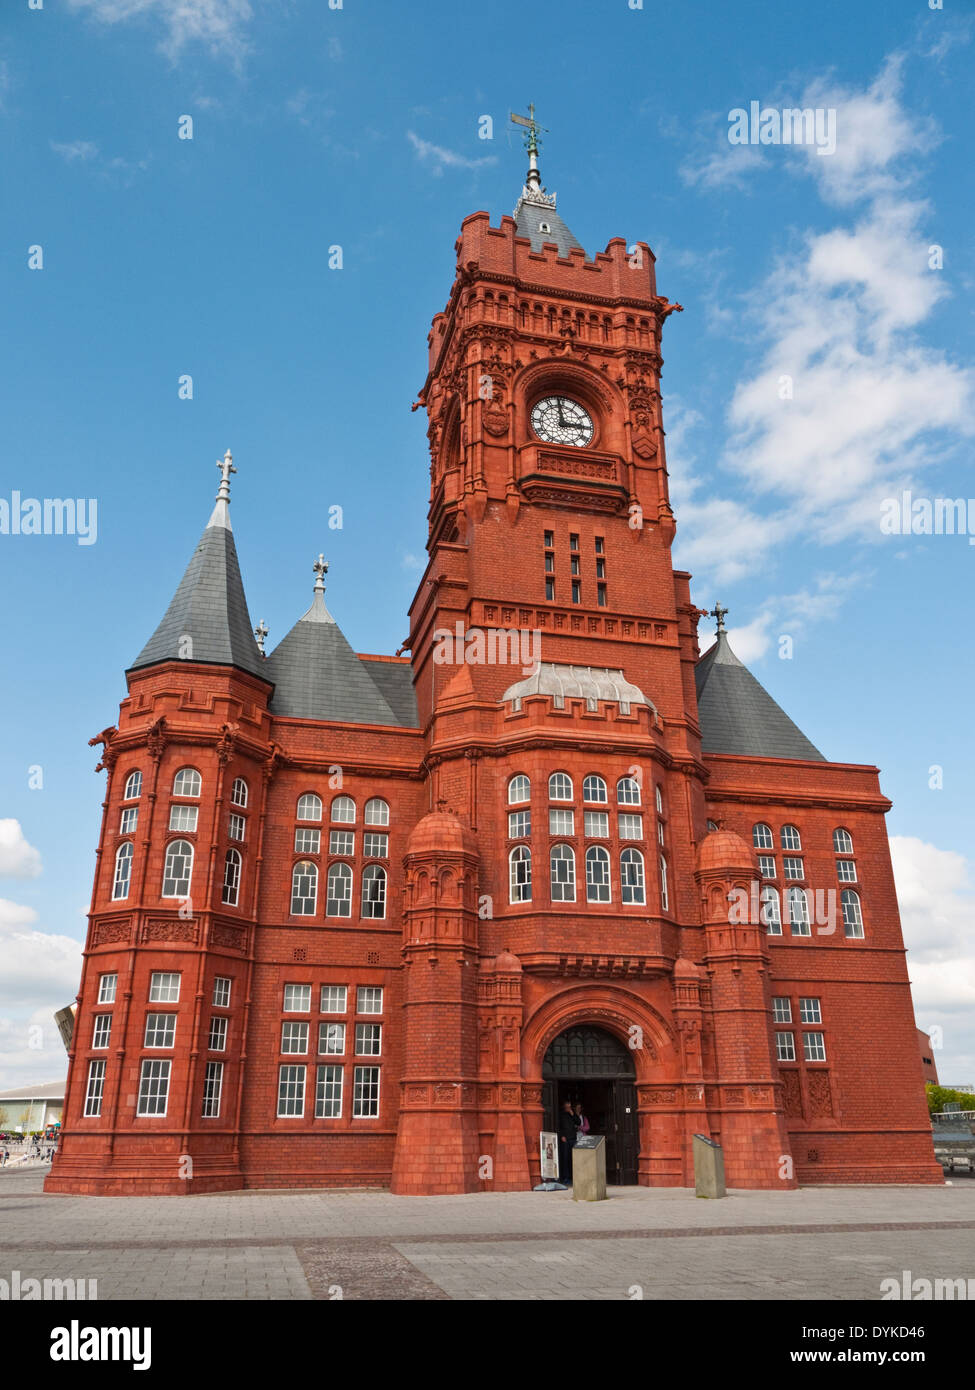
(320, 568)
(226, 466)
(720, 613)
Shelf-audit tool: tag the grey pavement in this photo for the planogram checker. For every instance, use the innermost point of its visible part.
(661, 1244)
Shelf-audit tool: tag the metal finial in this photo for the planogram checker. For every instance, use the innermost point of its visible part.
(226, 466)
(321, 569)
(260, 632)
(718, 612)
(531, 128)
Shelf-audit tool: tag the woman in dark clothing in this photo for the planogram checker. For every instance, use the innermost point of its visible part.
(567, 1138)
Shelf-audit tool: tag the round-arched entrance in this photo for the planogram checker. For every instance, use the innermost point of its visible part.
(592, 1067)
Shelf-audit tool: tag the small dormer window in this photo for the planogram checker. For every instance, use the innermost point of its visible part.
(544, 227)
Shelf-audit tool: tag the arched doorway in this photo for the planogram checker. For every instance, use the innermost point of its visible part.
(590, 1065)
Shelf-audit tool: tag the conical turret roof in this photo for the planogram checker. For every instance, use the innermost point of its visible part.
(317, 675)
(207, 620)
(738, 715)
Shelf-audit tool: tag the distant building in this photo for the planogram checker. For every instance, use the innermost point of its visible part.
(929, 1068)
(27, 1108)
(967, 1089)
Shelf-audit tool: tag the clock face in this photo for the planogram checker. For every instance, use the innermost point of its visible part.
(558, 420)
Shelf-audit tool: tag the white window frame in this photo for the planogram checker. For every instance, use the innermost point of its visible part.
(217, 1033)
(375, 811)
(630, 825)
(375, 844)
(562, 882)
(341, 843)
(814, 1047)
(332, 1035)
(519, 824)
(128, 820)
(558, 784)
(122, 880)
(810, 1009)
(854, 920)
(154, 1029)
(161, 987)
(762, 837)
(237, 829)
(294, 1038)
(329, 1086)
(309, 807)
(308, 840)
(177, 887)
(598, 854)
(188, 776)
(94, 1088)
(101, 1033)
(342, 993)
(222, 986)
(766, 865)
(371, 1033)
(772, 921)
(515, 797)
(519, 878)
(359, 1099)
(373, 895)
(339, 809)
(595, 825)
(292, 1078)
(592, 782)
(154, 1079)
(134, 779)
(239, 792)
(791, 839)
(842, 841)
(846, 870)
(625, 789)
(212, 1091)
(633, 894)
(304, 888)
(232, 866)
(107, 987)
(300, 999)
(785, 1047)
(369, 995)
(781, 1009)
(339, 903)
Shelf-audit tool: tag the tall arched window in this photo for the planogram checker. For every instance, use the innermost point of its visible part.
(376, 812)
(304, 888)
(658, 797)
(799, 912)
(374, 891)
(123, 871)
(231, 878)
(842, 842)
(664, 890)
(133, 787)
(770, 913)
(562, 874)
(238, 793)
(519, 789)
(791, 839)
(520, 874)
(632, 878)
(560, 787)
(338, 896)
(343, 810)
(187, 782)
(762, 837)
(178, 869)
(852, 915)
(628, 791)
(597, 875)
(594, 788)
(309, 807)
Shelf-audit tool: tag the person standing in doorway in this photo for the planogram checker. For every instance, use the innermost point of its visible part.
(567, 1138)
(582, 1120)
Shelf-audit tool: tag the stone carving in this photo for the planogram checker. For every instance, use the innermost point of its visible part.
(734, 1095)
(104, 932)
(416, 1094)
(221, 934)
(169, 929)
(792, 1094)
(531, 1095)
(510, 1095)
(444, 1095)
(820, 1095)
(579, 468)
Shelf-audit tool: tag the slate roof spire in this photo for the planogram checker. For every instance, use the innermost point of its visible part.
(737, 714)
(316, 673)
(535, 215)
(207, 620)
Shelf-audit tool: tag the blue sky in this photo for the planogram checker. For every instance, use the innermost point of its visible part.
(358, 127)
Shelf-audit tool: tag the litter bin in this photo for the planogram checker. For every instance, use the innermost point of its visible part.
(708, 1167)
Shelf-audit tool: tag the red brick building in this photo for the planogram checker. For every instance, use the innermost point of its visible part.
(370, 919)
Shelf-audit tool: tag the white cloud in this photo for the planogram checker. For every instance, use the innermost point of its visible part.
(31, 1051)
(440, 158)
(937, 908)
(75, 149)
(18, 859)
(413, 562)
(217, 24)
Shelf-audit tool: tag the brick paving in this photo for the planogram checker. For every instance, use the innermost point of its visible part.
(661, 1244)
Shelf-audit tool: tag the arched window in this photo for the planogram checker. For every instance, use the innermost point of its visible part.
(338, 897)
(762, 837)
(852, 915)
(231, 878)
(520, 874)
(597, 875)
(842, 842)
(791, 838)
(304, 888)
(374, 891)
(123, 871)
(178, 869)
(628, 791)
(343, 810)
(799, 912)
(664, 890)
(658, 797)
(562, 874)
(187, 782)
(712, 825)
(519, 789)
(770, 913)
(560, 787)
(594, 788)
(376, 812)
(309, 807)
(238, 794)
(632, 879)
(133, 787)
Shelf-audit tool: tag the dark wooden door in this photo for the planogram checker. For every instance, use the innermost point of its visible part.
(627, 1147)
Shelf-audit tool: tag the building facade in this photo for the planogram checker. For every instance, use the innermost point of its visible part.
(369, 920)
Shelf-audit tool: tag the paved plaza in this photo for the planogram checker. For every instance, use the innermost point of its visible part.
(828, 1242)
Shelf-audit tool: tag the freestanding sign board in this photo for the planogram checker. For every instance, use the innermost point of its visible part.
(548, 1143)
(589, 1169)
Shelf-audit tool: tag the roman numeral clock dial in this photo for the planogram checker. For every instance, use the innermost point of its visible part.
(559, 420)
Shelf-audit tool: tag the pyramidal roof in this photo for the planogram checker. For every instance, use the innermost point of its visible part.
(207, 620)
(317, 675)
(535, 215)
(738, 715)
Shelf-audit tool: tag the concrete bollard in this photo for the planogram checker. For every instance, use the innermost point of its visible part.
(708, 1167)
